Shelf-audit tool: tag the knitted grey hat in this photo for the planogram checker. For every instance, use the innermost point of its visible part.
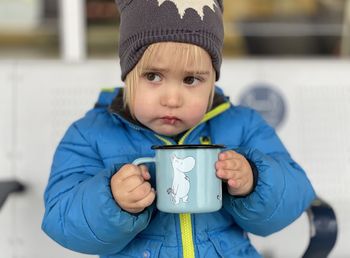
(143, 22)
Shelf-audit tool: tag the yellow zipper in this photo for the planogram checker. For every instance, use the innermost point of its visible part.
(185, 218)
(186, 225)
(186, 235)
(185, 221)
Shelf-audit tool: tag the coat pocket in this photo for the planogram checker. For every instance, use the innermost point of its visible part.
(231, 242)
(142, 248)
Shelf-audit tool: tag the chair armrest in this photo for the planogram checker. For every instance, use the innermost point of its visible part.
(8, 187)
(323, 229)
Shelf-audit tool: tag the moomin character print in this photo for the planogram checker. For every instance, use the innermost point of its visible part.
(181, 183)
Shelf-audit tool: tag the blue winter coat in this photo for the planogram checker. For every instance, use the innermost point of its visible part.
(82, 215)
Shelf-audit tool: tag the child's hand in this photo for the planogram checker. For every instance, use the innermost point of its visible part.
(130, 188)
(234, 169)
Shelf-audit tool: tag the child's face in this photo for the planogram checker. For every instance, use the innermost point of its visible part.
(173, 95)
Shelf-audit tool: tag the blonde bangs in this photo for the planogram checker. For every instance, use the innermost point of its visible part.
(181, 54)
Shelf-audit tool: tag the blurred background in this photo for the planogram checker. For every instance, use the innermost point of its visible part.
(289, 59)
(31, 28)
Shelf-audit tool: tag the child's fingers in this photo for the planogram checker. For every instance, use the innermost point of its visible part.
(126, 171)
(146, 201)
(132, 182)
(230, 154)
(239, 187)
(144, 171)
(226, 174)
(140, 192)
(233, 164)
(234, 183)
(134, 204)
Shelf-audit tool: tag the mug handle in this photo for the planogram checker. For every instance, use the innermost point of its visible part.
(144, 160)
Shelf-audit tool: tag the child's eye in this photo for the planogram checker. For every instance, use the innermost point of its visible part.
(153, 77)
(191, 80)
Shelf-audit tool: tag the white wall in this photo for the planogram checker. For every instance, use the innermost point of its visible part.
(39, 99)
(316, 132)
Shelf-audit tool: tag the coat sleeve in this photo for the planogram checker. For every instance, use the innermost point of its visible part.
(283, 190)
(80, 212)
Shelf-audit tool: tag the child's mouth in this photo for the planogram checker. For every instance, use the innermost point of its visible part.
(170, 120)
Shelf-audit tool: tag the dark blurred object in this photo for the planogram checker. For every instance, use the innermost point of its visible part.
(323, 229)
(8, 187)
(101, 11)
(102, 28)
(50, 9)
(291, 36)
(96, 10)
(285, 28)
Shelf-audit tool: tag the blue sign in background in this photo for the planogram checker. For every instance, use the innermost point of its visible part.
(267, 101)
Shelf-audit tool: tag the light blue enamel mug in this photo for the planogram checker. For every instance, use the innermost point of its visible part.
(186, 179)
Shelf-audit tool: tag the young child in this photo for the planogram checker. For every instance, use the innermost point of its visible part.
(97, 202)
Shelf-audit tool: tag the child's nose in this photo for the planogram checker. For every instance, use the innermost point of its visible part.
(172, 98)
